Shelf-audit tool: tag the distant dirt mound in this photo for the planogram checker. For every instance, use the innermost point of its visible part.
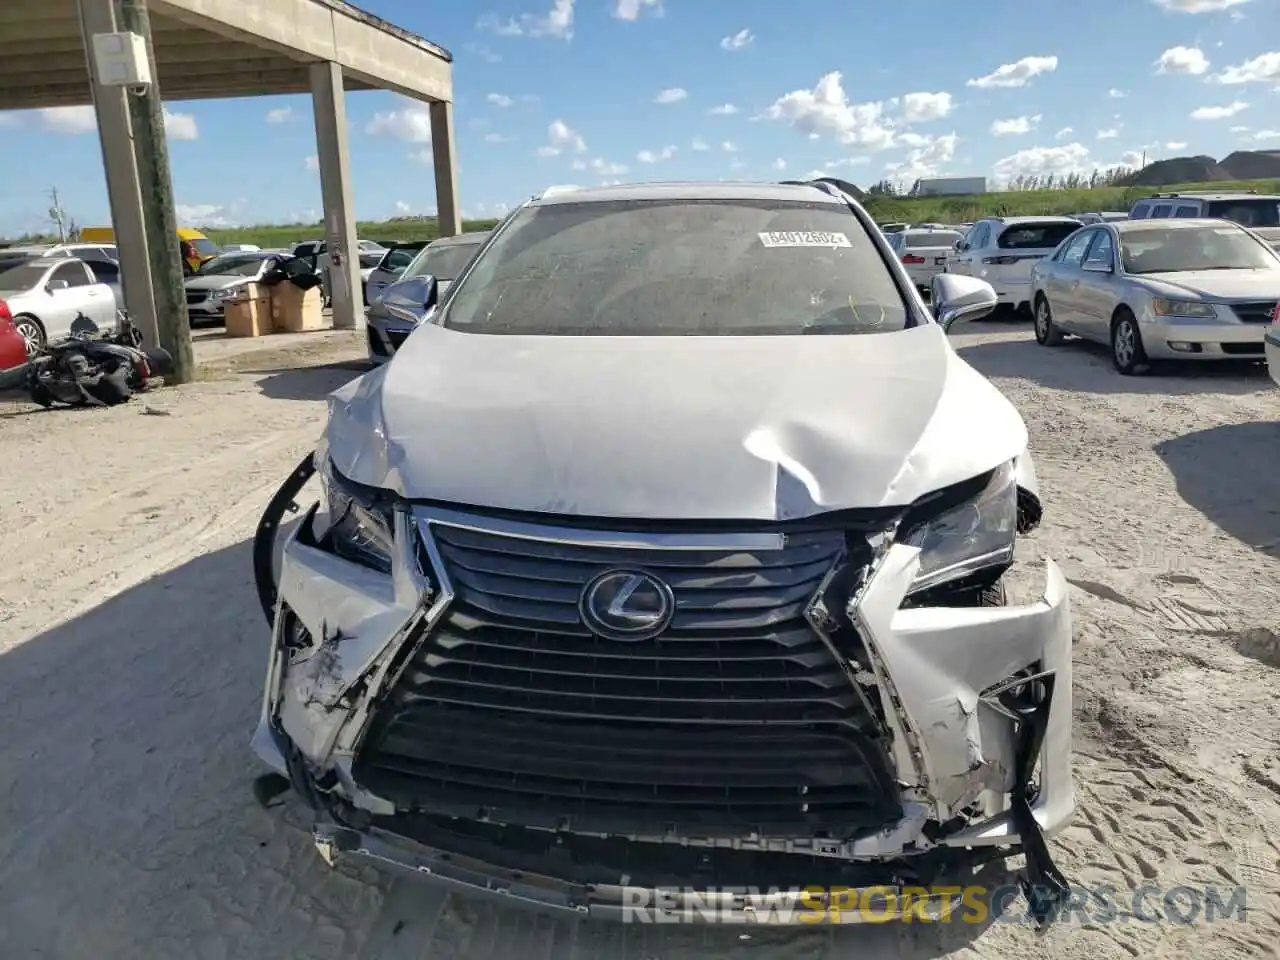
(1253, 164)
(1163, 173)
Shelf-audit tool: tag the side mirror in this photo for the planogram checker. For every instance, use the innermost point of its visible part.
(957, 297)
(54, 285)
(412, 298)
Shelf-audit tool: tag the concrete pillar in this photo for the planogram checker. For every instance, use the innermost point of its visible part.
(123, 189)
(335, 189)
(446, 166)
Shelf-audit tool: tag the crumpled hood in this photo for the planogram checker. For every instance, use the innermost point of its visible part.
(675, 428)
(1218, 284)
(214, 282)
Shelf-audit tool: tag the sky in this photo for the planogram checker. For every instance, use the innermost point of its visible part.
(593, 91)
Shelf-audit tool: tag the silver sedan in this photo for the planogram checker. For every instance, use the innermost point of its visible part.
(1159, 290)
(47, 296)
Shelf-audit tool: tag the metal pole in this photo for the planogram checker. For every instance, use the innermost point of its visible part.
(146, 111)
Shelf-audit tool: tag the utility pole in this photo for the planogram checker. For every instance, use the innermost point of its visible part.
(58, 215)
(146, 113)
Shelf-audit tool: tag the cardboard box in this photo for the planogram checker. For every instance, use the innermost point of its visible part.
(294, 310)
(249, 313)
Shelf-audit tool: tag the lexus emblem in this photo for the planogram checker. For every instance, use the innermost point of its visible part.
(626, 605)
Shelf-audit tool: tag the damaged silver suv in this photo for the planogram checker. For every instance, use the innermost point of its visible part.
(666, 555)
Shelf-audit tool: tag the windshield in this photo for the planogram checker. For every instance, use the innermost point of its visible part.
(680, 267)
(205, 247)
(1165, 250)
(231, 265)
(19, 276)
(1036, 236)
(443, 263)
(398, 258)
(1250, 212)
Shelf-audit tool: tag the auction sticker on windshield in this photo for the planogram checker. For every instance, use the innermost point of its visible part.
(805, 238)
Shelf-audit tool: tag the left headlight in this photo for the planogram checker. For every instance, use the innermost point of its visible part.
(225, 293)
(360, 521)
(973, 536)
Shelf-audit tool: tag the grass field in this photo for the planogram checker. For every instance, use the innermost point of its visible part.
(884, 209)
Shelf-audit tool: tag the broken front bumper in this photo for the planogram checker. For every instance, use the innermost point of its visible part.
(937, 673)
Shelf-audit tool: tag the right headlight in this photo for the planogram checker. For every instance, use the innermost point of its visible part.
(970, 537)
(1162, 307)
(360, 524)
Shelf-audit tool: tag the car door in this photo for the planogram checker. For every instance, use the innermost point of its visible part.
(107, 274)
(1098, 296)
(70, 295)
(1063, 289)
(970, 248)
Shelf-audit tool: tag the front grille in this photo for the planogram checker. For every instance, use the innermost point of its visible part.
(1259, 311)
(397, 338)
(196, 296)
(736, 719)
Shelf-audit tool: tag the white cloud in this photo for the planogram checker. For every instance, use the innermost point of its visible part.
(1115, 94)
(631, 9)
(482, 52)
(411, 123)
(69, 119)
(1264, 68)
(1015, 125)
(402, 207)
(736, 164)
(1064, 132)
(656, 156)
(180, 126)
(826, 110)
(699, 145)
(671, 95)
(500, 100)
(779, 164)
(738, 41)
(1017, 74)
(1188, 60)
(926, 159)
(1110, 133)
(561, 137)
(728, 146)
(311, 163)
(556, 22)
(724, 110)
(1176, 145)
(1219, 113)
(494, 137)
(280, 115)
(923, 107)
(1197, 6)
(1239, 130)
(601, 166)
(205, 214)
(1042, 161)
(423, 156)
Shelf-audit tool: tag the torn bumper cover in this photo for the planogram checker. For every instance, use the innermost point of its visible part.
(446, 718)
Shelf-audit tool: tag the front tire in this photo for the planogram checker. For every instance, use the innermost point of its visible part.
(1047, 332)
(32, 334)
(1127, 353)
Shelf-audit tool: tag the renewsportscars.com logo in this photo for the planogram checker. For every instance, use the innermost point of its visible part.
(938, 904)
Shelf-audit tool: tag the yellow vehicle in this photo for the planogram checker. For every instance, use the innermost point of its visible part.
(196, 247)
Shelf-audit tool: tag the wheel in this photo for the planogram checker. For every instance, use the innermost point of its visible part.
(32, 333)
(1127, 352)
(993, 596)
(1047, 333)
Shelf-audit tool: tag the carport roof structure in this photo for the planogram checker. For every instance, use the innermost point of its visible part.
(221, 48)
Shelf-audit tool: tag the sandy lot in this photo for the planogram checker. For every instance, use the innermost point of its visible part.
(132, 655)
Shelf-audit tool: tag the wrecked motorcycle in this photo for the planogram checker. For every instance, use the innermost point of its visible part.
(96, 369)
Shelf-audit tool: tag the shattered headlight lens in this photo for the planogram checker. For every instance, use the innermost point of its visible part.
(360, 527)
(970, 537)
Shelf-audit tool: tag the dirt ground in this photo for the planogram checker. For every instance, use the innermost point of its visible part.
(132, 654)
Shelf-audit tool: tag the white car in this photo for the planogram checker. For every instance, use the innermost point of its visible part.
(672, 540)
(1002, 251)
(924, 252)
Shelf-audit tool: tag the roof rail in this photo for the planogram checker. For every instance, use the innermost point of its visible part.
(826, 186)
(557, 190)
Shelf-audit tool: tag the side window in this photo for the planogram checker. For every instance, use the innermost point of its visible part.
(1161, 211)
(1141, 211)
(74, 274)
(1101, 253)
(1073, 252)
(104, 271)
(112, 254)
(1187, 211)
